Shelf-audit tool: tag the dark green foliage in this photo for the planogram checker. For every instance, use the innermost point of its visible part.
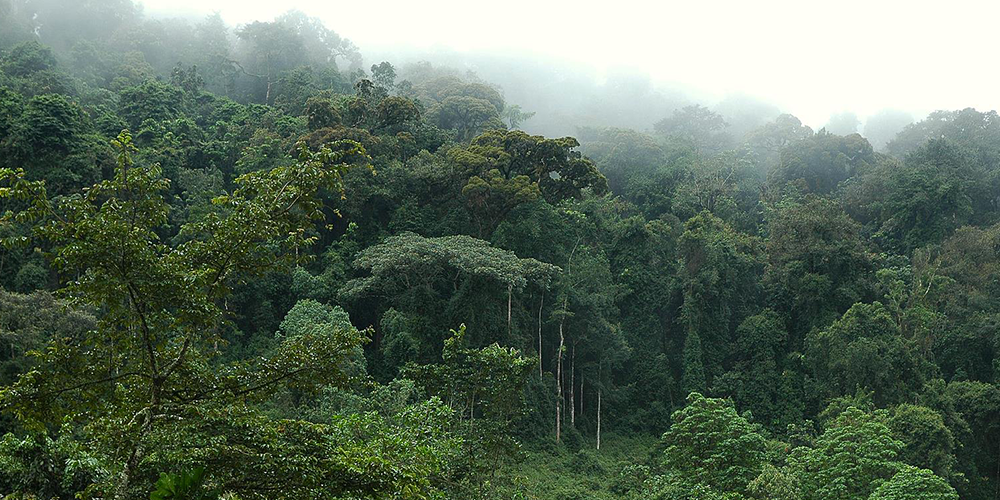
(151, 100)
(52, 140)
(929, 444)
(865, 350)
(693, 379)
(718, 277)
(26, 58)
(758, 383)
(817, 263)
(934, 192)
(229, 311)
(558, 170)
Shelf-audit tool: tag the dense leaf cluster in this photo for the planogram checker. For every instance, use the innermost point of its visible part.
(237, 264)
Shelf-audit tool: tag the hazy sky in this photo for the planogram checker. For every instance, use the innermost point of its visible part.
(810, 58)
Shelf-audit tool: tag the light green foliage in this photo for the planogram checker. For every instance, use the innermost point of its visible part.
(698, 127)
(709, 443)
(411, 255)
(310, 318)
(770, 139)
(416, 272)
(49, 467)
(914, 483)
(974, 130)
(818, 164)
(184, 486)
(851, 459)
(977, 403)
(935, 191)
(774, 484)
(149, 363)
(484, 388)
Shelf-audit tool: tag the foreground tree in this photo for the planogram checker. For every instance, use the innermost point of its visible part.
(911, 483)
(147, 386)
(850, 459)
(711, 444)
(484, 387)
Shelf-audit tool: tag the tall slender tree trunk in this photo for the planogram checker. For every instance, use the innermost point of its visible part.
(583, 396)
(572, 386)
(562, 345)
(267, 96)
(559, 382)
(510, 290)
(598, 418)
(541, 302)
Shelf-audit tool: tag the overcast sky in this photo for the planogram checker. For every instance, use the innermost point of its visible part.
(810, 58)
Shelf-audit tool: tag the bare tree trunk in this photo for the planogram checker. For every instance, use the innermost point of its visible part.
(598, 418)
(559, 382)
(540, 304)
(572, 386)
(510, 289)
(583, 397)
(562, 345)
(267, 97)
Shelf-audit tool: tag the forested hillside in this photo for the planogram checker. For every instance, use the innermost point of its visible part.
(243, 262)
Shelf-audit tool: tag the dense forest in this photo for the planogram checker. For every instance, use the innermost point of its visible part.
(241, 262)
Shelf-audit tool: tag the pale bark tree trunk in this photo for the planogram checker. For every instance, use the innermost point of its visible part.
(559, 353)
(598, 418)
(267, 97)
(572, 386)
(583, 396)
(559, 383)
(540, 304)
(510, 290)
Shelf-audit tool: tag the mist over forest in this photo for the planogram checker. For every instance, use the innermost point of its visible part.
(259, 260)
